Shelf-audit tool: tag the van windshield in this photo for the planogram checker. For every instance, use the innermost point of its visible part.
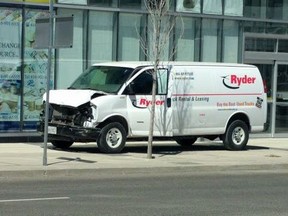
(102, 78)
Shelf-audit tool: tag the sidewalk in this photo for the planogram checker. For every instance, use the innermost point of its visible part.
(271, 153)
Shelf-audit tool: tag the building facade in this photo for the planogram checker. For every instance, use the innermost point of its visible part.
(232, 31)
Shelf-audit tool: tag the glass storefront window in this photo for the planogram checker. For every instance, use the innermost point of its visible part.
(285, 10)
(262, 27)
(189, 6)
(70, 60)
(35, 71)
(260, 44)
(281, 118)
(269, 119)
(233, 7)
(266, 71)
(282, 99)
(230, 41)
(10, 69)
(103, 3)
(101, 38)
(255, 8)
(274, 9)
(79, 2)
(131, 37)
(187, 39)
(266, 9)
(283, 46)
(210, 40)
(130, 3)
(212, 7)
(164, 40)
(255, 27)
(276, 28)
(282, 83)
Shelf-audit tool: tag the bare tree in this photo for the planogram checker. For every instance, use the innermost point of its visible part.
(159, 31)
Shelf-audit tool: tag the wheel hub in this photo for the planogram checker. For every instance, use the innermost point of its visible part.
(113, 138)
(238, 135)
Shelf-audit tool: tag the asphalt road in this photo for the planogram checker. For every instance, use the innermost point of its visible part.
(169, 192)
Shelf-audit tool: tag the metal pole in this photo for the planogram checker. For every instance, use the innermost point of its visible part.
(51, 19)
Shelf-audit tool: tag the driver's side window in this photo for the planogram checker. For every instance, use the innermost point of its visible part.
(141, 85)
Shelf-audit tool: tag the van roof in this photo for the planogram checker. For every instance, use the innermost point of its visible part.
(135, 64)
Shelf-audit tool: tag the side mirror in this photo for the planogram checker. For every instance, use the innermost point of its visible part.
(129, 90)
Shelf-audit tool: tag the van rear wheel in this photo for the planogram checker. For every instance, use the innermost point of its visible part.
(112, 138)
(236, 136)
(185, 142)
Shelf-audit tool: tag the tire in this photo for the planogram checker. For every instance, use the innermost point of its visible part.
(185, 142)
(112, 138)
(62, 144)
(236, 136)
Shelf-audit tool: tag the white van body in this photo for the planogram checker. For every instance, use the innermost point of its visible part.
(193, 100)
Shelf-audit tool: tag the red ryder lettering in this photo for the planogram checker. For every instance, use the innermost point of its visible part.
(242, 80)
(145, 102)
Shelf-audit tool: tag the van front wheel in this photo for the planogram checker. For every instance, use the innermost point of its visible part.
(236, 136)
(112, 138)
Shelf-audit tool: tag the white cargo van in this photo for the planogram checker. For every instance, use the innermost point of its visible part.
(112, 101)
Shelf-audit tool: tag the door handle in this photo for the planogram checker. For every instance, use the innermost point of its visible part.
(168, 102)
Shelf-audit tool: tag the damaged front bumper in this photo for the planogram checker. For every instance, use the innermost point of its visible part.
(70, 133)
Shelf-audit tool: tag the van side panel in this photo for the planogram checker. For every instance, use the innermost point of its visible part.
(191, 101)
(204, 98)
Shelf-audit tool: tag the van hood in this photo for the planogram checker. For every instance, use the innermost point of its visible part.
(70, 97)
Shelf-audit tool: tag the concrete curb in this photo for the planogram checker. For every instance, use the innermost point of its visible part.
(152, 171)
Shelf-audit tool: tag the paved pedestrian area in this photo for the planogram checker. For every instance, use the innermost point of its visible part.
(269, 153)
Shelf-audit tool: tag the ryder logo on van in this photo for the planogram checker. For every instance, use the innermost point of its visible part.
(235, 82)
(144, 103)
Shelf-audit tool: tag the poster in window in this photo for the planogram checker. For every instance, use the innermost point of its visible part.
(35, 68)
(10, 75)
